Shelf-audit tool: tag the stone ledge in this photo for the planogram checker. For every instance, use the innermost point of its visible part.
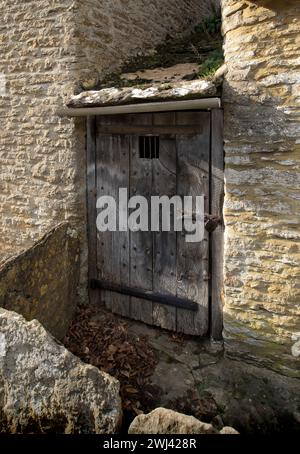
(155, 93)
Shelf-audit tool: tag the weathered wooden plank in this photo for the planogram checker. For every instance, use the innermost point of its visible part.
(114, 246)
(169, 129)
(140, 242)
(91, 204)
(217, 196)
(164, 243)
(193, 258)
(120, 304)
(105, 186)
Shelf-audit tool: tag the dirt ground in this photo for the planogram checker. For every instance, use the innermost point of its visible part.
(159, 368)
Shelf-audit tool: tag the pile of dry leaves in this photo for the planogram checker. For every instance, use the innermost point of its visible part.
(102, 339)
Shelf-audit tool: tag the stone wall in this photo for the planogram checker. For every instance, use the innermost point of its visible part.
(41, 282)
(47, 48)
(110, 31)
(262, 206)
(42, 171)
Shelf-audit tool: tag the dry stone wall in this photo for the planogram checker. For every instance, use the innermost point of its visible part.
(47, 48)
(130, 27)
(40, 283)
(37, 157)
(262, 204)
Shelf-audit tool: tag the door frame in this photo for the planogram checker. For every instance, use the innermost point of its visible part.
(216, 238)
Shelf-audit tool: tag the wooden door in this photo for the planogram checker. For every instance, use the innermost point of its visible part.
(152, 154)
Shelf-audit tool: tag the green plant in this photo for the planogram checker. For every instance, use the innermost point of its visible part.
(211, 64)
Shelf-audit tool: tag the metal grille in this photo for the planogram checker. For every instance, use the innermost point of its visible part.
(149, 147)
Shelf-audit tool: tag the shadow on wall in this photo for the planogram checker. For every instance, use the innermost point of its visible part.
(41, 282)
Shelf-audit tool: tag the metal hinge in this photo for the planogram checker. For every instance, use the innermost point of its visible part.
(169, 300)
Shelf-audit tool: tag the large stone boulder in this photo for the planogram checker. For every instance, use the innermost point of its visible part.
(163, 421)
(44, 388)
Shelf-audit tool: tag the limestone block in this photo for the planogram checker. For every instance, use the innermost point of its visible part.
(46, 389)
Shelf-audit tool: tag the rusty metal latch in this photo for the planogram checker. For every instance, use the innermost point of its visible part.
(211, 222)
